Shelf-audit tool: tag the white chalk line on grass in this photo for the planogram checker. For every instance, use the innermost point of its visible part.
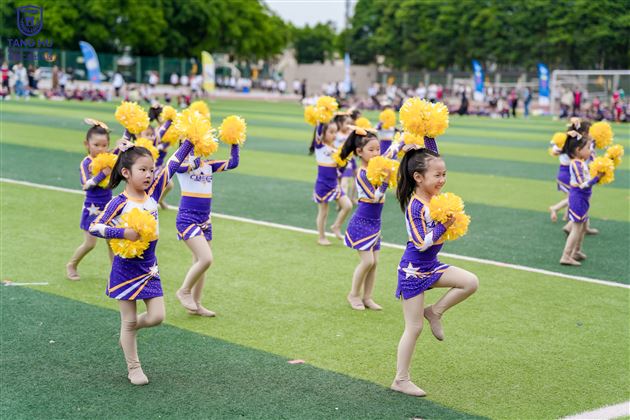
(604, 413)
(384, 244)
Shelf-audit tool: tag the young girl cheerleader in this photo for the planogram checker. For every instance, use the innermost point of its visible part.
(563, 177)
(96, 196)
(347, 173)
(578, 148)
(327, 187)
(364, 229)
(136, 278)
(421, 175)
(194, 225)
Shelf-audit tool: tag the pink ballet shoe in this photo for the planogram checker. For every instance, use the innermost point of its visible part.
(356, 303)
(137, 377)
(71, 272)
(434, 322)
(186, 300)
(370, 304)
(201, 311)
(407, 387)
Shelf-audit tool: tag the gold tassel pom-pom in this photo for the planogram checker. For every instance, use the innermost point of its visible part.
(201, 107)
(602, 165)
(147, 144)
(168, 113)
(100, 162)
(380, 169)
(145, 225)
(310, 115)
(614, 153)
(363, 122)
(387, 118)
(131, 116)
(233, 130)
(559, 139)
(602, 133)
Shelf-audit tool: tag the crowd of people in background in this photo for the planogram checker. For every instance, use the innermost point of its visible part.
(25, 81)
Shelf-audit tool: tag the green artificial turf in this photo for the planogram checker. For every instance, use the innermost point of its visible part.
(524, 346)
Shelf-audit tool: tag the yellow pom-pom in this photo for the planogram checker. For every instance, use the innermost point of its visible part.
(147, 144)
(437, 121)
(337, 158)
(424, 118)
(201, 107)
(323, 115)
(233, 130)
(614, 153)
(458, 228)
(144, 224)
(606, 167)
(602, 134)
(168, 113)
(172, 135)
(387, 118)
(310, 115)
(444, 205)
(559, 139)
(328, 103)
(363, 122)
(380, 169)
(410, 138)
(100, 162)
(393, 178)
(132, 117)
(195, 127)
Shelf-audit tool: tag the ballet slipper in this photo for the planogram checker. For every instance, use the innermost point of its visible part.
(186, 299)
(356, 303)
(71, 272)
(434, 322)
(370, 304)
(407, 387)
(136, 376)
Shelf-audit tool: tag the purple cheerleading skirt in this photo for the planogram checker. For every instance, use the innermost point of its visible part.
(418, 271)
(191, 223)
(563, 180)
(91, 210)
(135, 278)
(364, 233)
(579, 203)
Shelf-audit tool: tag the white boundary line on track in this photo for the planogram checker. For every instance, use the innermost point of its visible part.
(384, 244)
(604, 413)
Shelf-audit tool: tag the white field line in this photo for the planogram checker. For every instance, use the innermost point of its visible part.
(604, 413)
(384, 244)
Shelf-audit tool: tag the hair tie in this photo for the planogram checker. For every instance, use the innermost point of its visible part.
(125, 145)
(96, 123)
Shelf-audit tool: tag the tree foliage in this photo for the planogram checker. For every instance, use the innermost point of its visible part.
(426, 34)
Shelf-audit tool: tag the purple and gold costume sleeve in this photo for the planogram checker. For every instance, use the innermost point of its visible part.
(393, 150)
(430, 144)
(102, 225)
(422, 237)
(162, 130)
(319, 132)
(84, 169)
(226, 165)
(161, 180)
(593, 181)
(188, 165)
(369, 189)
